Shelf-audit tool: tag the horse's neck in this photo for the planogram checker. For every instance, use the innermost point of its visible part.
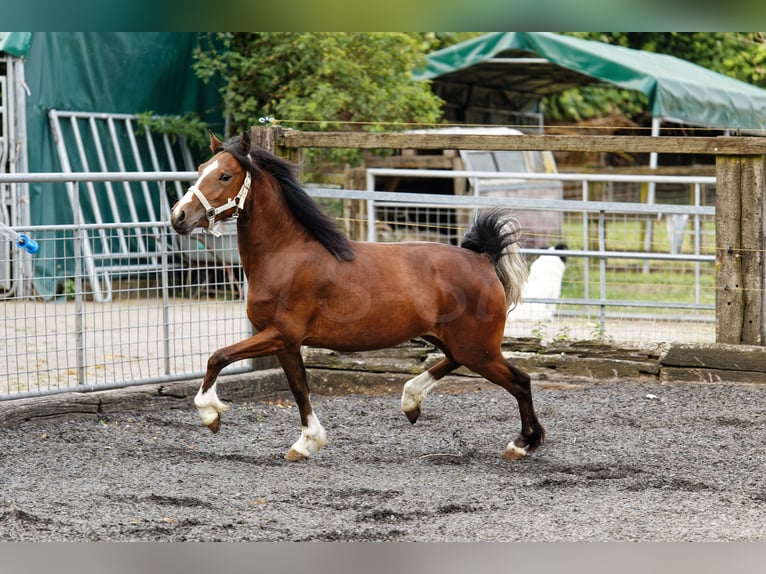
(268, 226)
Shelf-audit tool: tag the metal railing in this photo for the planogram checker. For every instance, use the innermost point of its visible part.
(170, 306)
(590, 213)
(164, 320)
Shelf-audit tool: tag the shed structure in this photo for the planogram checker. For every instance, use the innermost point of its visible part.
(502, 76)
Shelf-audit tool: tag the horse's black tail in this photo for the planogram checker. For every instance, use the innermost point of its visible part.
(496, 233)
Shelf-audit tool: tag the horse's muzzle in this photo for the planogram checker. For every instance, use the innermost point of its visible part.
(180, 222)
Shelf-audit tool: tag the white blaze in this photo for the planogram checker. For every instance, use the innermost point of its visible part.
(188, 196)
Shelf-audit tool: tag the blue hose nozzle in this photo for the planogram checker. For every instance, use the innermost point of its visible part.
(25, 242)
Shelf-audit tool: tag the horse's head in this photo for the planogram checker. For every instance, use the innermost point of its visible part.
(220, 191)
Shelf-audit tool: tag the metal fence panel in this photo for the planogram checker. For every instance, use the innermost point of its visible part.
(164, 320)
(160, 322)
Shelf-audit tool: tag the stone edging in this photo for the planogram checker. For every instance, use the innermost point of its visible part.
(386, 370)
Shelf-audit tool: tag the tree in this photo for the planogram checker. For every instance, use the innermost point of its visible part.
(320, 79)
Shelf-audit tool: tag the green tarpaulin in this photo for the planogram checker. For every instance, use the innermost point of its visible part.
(543, 63)
(112, 72)
(15, 43)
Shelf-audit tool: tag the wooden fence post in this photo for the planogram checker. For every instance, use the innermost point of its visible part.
(270, 138)
(740, 229)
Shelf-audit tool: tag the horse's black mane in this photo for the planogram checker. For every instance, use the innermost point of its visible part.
(304, 208)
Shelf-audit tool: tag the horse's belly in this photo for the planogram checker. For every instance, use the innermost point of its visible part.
(365, 335)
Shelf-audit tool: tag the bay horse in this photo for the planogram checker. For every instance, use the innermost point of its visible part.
(308, 284)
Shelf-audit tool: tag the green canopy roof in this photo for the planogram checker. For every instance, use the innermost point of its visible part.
(543, 63)
(15, 43)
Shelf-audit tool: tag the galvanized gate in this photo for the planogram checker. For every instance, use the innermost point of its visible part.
(90, 142)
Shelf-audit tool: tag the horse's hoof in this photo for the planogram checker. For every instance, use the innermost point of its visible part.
(412, 415)
(293, 455)
(513, 452)
(215, 426)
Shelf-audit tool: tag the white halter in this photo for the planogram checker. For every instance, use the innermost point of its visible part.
(212, 212)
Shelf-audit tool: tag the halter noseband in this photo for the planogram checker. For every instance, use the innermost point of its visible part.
(211, 212)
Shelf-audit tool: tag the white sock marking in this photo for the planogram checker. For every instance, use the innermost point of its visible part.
(313, 437)
(209, 405)
(415, 391)
(521, 451)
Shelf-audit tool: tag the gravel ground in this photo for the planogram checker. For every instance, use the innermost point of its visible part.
(623, 462)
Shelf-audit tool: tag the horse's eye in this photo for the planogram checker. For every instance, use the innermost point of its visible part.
(225, 177)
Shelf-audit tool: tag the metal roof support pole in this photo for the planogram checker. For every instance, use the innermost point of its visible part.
(651, 193)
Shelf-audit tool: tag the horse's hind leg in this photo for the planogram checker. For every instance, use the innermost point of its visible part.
(517, 382)
(313, 436)
(415, 389)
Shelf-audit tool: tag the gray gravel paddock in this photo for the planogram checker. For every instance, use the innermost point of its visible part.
(624, 461)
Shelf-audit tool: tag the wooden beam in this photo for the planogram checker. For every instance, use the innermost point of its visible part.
(728, 278)
(724, 145)
(740, 228)
(753, 190)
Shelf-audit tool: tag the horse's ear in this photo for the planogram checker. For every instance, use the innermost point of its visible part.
(244, 143)
(215, 143)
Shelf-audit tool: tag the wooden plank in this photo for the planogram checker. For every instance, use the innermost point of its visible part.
(752, 238)
(716, 356)
(67, 405)
(97, 404)
(729, 294)
(586, 361)
(687, 375)
(724, 145)
(569, 368)
(270, 139)
(411, 162)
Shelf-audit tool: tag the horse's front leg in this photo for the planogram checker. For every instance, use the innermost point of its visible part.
(209, 406)
(313, 436)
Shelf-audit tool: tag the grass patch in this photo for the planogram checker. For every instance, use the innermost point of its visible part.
(634, 279)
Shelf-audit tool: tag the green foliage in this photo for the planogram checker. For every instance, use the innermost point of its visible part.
(539, 329)
(563, 335)
(598, 333)
(363, 81)
(189, 126)
(321, 81)
(578, 104)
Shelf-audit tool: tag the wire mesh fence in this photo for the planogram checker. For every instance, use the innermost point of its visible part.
(178, 299)
(160, 324)
(628, 268)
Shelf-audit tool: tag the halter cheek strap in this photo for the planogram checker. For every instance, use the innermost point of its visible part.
(212, 212)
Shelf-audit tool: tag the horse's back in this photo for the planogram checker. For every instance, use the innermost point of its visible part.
(432, 263)
(437, 276)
